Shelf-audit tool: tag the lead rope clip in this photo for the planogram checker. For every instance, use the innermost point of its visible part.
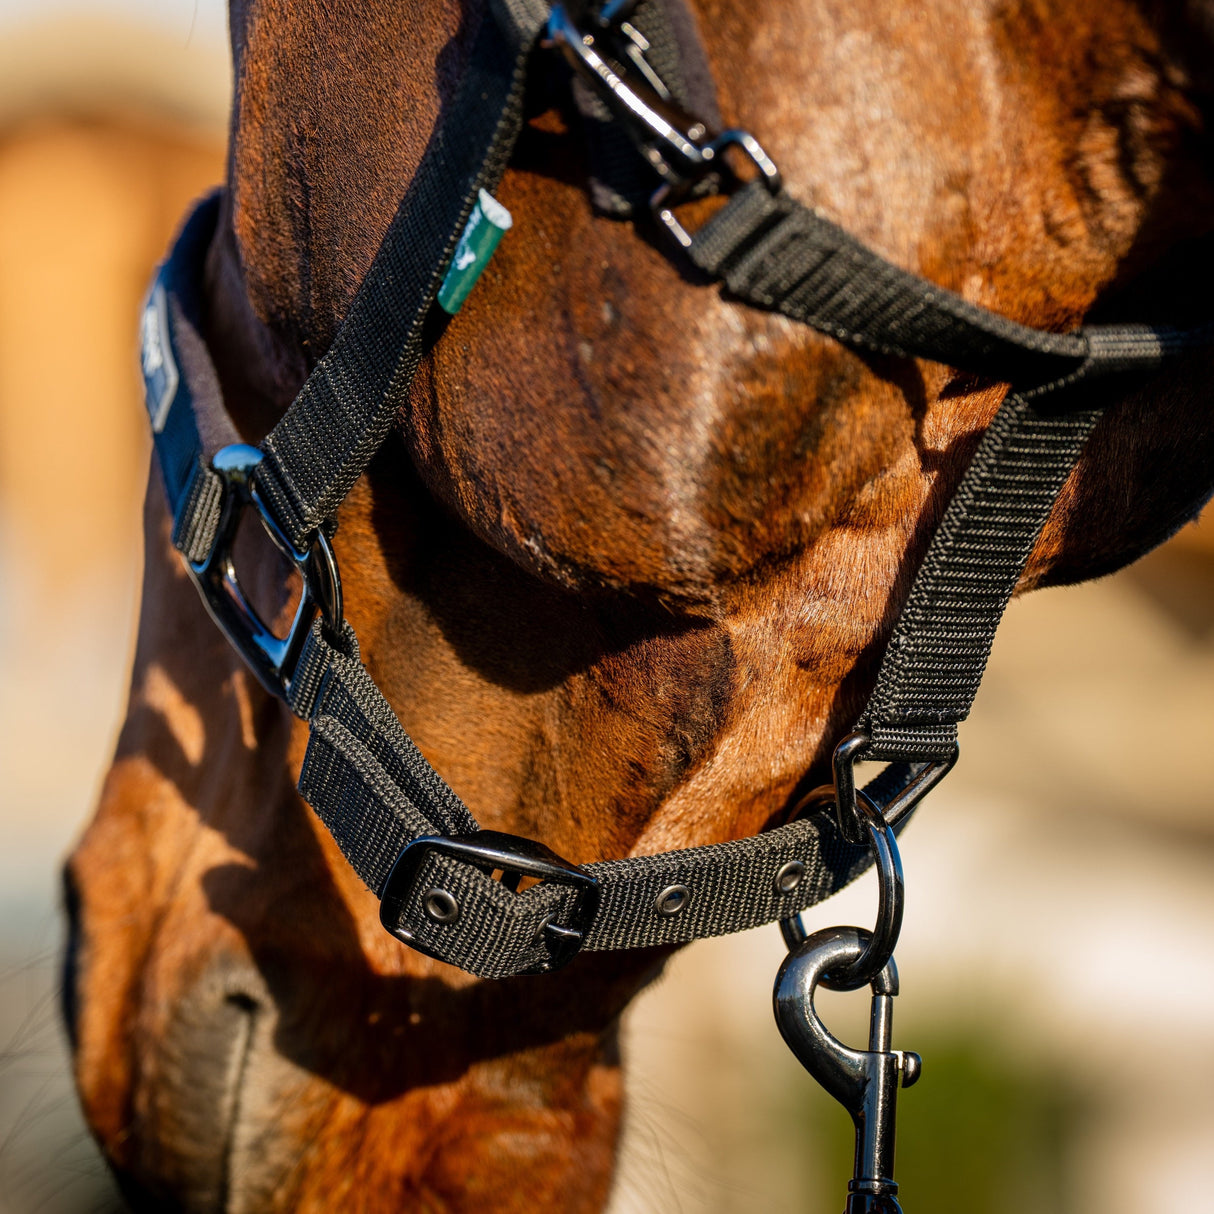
(865, 1082)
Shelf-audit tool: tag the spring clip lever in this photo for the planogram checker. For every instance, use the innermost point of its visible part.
(865, 1082)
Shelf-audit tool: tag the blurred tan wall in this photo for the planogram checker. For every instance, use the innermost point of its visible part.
(87, 206)
(107, 132)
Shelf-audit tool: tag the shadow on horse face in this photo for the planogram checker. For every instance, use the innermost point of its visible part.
(624, 575)
(234, 998)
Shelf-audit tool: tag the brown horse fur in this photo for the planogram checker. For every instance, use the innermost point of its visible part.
(624, 572)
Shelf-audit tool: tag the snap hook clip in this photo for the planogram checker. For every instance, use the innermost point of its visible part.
(865, 1082)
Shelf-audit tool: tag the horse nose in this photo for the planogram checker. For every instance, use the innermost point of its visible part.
(195, 1099)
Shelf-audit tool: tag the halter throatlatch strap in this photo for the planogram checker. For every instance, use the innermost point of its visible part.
(446, 887)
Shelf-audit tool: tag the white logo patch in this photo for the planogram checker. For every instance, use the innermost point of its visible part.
(160, 378)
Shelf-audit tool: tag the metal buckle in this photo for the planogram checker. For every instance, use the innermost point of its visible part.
(271, 658)
(670, 194)
(640, 107)
(490, 851)
(676, 145)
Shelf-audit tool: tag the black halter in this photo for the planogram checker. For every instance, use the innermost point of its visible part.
(402, 828)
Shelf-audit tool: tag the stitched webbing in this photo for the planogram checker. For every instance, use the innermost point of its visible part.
(363, 774)
(344, 411)
(937, 655)
(775, 253)
(376, 793)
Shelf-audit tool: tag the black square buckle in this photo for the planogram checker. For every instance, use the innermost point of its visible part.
(490, 851)
(271, 658)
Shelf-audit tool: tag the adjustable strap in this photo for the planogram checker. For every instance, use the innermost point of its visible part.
(180, 383)
(775, 253)
(937, 655)
(446, 887)
(344, 411)
(382, 801)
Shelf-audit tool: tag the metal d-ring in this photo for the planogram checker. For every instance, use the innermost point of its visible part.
(890, 900)
(897, 790)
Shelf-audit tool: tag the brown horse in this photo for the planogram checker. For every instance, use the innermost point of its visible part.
(623, 574)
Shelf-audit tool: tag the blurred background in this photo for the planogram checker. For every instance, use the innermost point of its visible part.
(1058, 955)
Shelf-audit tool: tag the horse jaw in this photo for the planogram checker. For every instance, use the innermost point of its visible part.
(624, 583)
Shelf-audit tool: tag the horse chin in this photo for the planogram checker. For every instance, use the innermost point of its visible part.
(227, 1121)
(233, 1084)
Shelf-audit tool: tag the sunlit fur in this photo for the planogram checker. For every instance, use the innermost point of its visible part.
(623, 572)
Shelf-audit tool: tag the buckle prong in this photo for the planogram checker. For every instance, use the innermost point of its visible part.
(494, 851)
(676, 145)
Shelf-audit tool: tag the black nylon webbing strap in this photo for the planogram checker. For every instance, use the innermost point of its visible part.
(180, 382)
(935, 660)
(730, 888)
(936, 657)
(369, 783)
(197, 522)
(774, 252)
(339, 419)
(376, 793)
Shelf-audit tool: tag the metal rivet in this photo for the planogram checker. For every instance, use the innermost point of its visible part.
(672, 900)
(789, 876)
(441, 906)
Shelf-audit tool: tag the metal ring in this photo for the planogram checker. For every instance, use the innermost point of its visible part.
(890, 900)
(672, 900)
(441, 906)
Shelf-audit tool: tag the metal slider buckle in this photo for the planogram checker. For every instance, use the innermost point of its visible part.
(490, 851)
(271, 658)
(670, 194)
(678, 147)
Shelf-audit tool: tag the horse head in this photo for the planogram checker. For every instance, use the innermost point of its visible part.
(625, 570)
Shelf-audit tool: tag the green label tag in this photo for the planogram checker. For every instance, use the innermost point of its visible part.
(489, 219)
